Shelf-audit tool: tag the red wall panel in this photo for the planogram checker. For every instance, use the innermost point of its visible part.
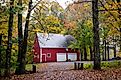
(54, 52)
(36, 51)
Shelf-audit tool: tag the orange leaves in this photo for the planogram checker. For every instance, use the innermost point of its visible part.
(69, 24)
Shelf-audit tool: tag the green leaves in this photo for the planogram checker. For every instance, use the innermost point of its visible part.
(19, 9)
(84, 36)
(46, 17)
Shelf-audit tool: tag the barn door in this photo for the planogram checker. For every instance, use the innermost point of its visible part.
(72, 56)
(43, 58)
(61, 56)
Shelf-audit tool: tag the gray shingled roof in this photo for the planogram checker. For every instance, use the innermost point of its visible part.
(52, 40)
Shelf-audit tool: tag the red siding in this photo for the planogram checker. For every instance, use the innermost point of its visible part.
(54, 52)
(36, 50)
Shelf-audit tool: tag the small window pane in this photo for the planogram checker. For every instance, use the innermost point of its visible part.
(49, 55)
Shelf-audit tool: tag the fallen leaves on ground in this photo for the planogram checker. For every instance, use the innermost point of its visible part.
(63, 71)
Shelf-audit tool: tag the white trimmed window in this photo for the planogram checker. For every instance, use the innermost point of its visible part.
(49, 55)
(35, 53)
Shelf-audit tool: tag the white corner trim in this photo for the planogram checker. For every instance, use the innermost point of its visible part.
(40, 54)
(45, 57)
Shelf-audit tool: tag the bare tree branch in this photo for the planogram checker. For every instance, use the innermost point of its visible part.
(38, 22)
(78, 2)
(35, 5)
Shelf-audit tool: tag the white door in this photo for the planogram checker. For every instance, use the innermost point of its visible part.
(72, 56)
(61, 56)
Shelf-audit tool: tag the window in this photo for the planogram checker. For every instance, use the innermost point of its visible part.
(35, 53)
(49, 55)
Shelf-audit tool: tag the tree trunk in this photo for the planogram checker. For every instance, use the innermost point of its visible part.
(85, 54)
(24, 47)
(91, 53)
(119, 12)
(105, 49)
(97, 60)
(20, 39)
(120, 39)
(114, 50)
(9, 43)
(0, 52)
(114, 44)
(108, 52)
(103, 56)
(81, 52)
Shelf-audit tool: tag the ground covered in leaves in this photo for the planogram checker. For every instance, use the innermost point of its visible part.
(64, 71)
(72, 75)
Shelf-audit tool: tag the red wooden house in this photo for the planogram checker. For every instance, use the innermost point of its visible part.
(53, 47)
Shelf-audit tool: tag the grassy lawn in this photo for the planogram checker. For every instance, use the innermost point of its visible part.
(30, 66)
(105, 65)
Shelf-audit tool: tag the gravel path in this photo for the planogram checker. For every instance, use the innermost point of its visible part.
(63, 71)
(45, 67)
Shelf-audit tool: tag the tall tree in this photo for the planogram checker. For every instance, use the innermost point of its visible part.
(97, 60)
(24, 43)
(20, 37)
(119, 12)
(0, 52)
(80, 13)
(91, 52)
(111, 14)
(9, 42)
(23, 39)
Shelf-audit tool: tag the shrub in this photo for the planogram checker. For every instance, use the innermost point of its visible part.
(114, 64)
(88, 66)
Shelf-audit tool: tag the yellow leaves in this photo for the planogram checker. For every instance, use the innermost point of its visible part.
(14, 48)
(86, 5)
(3, 23)
(110, 17)
(63, 31)
(52, 19)
(113, 31)
(54, 29)
(25, 1)
(3, 28)
(101, 8)
(118, 54)
(50, 24)
(37, 30)
(89, 23)
(30, 41)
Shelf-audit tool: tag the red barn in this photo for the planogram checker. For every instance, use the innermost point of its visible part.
(53, 47)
